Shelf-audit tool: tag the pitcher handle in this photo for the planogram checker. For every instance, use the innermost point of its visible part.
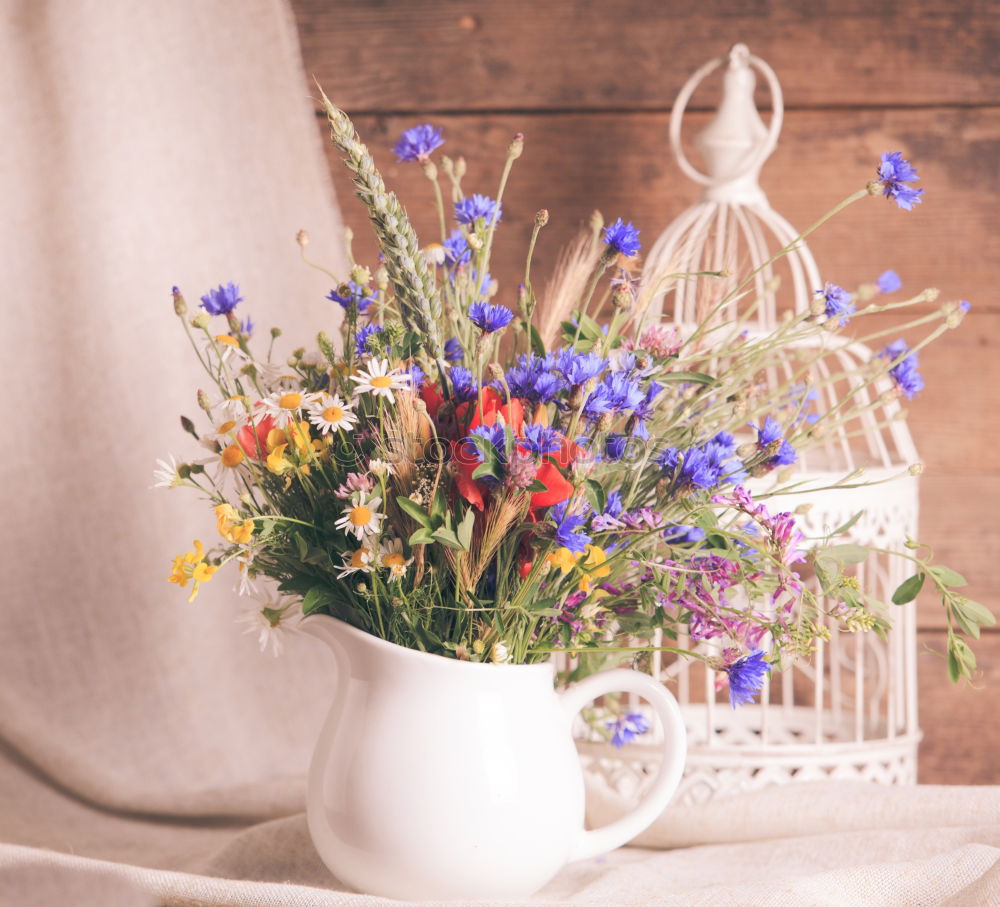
(674, 749)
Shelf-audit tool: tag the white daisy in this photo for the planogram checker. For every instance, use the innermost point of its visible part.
(381, 380)
(270, 620)
(391, 558)
(331, 414)
(361, 516)
(246, 585)
(380, 467)
(360, 561)
(166, 476)
(283, 406)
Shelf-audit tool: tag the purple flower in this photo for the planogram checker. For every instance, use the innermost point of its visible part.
(469, 210)
(682, 536)
(614, 446)
(456, 248)
(362, 337)
(464, 386)
(965, 305)
(578, 368)
(622, 238)
(894, 173)
(837, 303)
(247, 326)
(497, 436)
(888, 282)
(453, 351)
(703, 467)
(768, 433)
(904, 373)
(626, 728)
(417, 376)
(746, 678)
(351, 293)
(490, 318)
(417, 143)
(222, 300)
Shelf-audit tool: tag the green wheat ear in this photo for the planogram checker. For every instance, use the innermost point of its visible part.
(418, 300)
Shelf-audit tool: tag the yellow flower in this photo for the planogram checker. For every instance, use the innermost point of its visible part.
(562, 558)
(226, 338)
(276, 461)
(275, 437)
(191, 566)
(595, 567)
(231, 528)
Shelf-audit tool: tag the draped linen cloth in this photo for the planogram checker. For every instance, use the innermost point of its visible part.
(149, 753)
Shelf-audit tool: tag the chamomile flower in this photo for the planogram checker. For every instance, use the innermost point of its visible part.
(246, 585)
(362, 516)
(380, 380)
(381, 468)
(283, 406)
(391, 558)
(269, 619)
(331, 414)
(166, 474)
(361, 560)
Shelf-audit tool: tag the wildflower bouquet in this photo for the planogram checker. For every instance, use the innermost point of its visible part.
(488, 476)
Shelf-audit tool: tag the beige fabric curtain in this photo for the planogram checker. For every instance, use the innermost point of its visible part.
(149, 753)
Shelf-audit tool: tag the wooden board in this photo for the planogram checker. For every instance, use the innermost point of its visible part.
(961, 731)
(621, 164)
(443, 55)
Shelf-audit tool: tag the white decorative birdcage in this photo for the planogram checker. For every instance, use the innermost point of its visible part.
(851, 711)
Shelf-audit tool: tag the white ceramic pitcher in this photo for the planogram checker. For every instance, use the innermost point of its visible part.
(435, 778)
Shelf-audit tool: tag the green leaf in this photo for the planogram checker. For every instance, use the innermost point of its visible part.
(846, 554)
(537, 347)
(465, 529)
(414, 511)
(301, 546)
(840, 530)
(316, 598)
(691, 377)
(954, 669)
(977, 612)
(908, 590)
(448, 538)
(486, 469)
(967, 625)
(536, 487)
(421, 537)
(947, 576)
(594, 492)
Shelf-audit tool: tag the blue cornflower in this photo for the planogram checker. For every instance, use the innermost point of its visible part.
(490, 318)
(418, 142)
(456, 248)
(625, 392)
(463, 384)
(622, 238)
(540, 440)
(362, 337)
(351, 293)
(247, 326)
(678, 535)
(613, 506)
(644, 410)
(222, 300)
(785, 456)
(769, 432)
(746, 678)
(904, 373)
(453, 351)
(568, 534)
(838, 303)
(615, 446)
(601, 402)
(965, 305)
(417, 376)
(894, 172)
(579, 368)
(469, 210)
(888, 282)
(705, 466)
(626, 728)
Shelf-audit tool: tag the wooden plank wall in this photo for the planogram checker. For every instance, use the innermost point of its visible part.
(590, 84)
